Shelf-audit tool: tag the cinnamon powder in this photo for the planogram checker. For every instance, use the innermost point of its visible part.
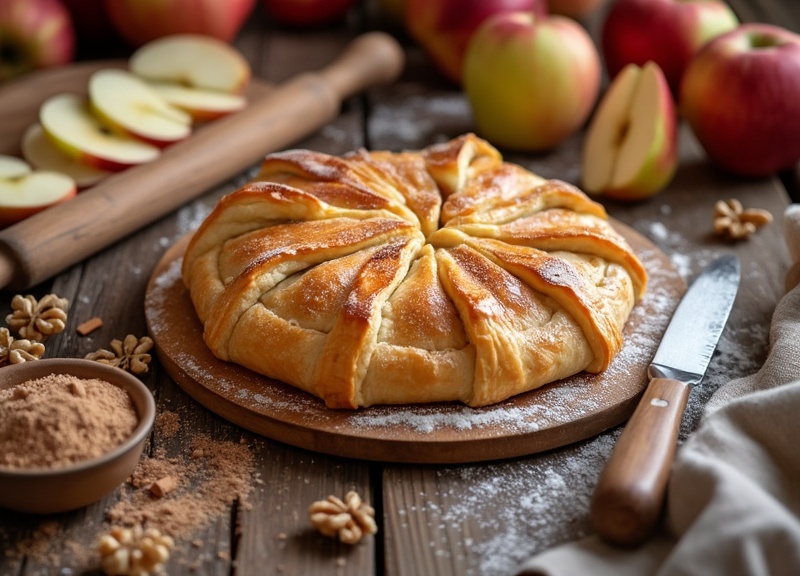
(60, 419)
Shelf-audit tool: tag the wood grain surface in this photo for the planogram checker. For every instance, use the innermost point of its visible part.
(438, 520)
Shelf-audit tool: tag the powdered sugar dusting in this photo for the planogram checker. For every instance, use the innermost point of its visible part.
(550, 493)
(553, 405)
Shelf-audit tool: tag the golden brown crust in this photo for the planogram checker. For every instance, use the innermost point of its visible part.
(438, 275)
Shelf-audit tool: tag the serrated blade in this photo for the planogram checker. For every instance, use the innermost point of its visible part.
(696, 325)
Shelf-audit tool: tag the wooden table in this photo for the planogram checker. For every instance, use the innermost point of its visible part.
(480, 519)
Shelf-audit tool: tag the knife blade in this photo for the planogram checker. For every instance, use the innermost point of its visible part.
(629, 496)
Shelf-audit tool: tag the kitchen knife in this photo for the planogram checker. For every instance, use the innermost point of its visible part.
(628, 499)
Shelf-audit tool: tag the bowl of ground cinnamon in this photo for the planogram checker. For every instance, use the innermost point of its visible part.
(71, 431)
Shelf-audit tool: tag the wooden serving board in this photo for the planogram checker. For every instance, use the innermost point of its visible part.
(20, 100)
(555, 415)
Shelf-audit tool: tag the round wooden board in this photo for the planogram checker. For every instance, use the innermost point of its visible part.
(555, 415)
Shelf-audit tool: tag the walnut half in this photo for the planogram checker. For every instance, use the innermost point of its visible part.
(733, 222)
(348, 520)
(134, 552)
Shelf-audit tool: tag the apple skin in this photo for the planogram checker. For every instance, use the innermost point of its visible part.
(668, 32)
(531, 81)
(659, 159)
(24, 192)
(741, 97)
(443, 28)
(34, 34)
(307, 12)
(140, 22)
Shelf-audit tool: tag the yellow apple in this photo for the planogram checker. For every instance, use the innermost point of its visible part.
(74, 130)
(630, 150)
(531, 81)
(192, 61)
(125, 103)
(24, 192)
(43, 155)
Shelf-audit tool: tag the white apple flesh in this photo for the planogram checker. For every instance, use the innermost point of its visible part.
(43, 155)
(28, 193)
(201, 105)
(630, 150)
(13, 167)
(193, 61)
(128, 105)
(73, 129)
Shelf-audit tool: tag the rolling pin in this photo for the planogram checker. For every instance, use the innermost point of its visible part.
(46, 243)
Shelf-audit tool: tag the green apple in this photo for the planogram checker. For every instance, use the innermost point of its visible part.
(531, 81)
(630, 150)
(444, 27)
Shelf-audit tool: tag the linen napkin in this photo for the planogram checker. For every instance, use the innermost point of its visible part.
(733, 506)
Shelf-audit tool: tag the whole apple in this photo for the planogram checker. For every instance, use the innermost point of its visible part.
(444, 27)
(307, 12)
(741, 97)
(531, 80)
(668, 32)
(34, 34)
(140, 22)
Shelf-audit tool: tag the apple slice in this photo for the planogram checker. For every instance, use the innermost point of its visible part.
(13, 167)
(43, 155)
(202, 105)
(128, 105)
(630, 151)
(193, 61)
(24, 193)
(74, 130)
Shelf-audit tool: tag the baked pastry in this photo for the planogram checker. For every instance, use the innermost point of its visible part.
(390, 278)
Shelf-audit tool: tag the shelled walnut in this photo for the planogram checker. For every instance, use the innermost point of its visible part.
(15, 351)
(733, 222)
(134, 551)
(348, 520)
(36, 320)
(130, 354)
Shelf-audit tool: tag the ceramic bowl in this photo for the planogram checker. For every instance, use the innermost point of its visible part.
(46, 491)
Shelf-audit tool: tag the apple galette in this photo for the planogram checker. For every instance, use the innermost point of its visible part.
(423, 276)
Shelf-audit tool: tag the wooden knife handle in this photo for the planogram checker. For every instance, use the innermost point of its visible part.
(629, 496)
(54, 239)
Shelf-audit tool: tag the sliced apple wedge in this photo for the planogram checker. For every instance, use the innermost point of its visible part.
(630, 151)
(13, 167)
(128, 105)
(74, 130)
(43, 155)
(202, 105)
(192, 60)
(29, 191)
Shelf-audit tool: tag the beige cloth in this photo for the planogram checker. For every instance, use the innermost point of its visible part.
(733, 506)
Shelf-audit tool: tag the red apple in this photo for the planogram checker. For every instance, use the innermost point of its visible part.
(741, 96)
(443, 27)
(668, 32)
(307, 12)
(531, 80)
(34, 34)
(139, 22)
